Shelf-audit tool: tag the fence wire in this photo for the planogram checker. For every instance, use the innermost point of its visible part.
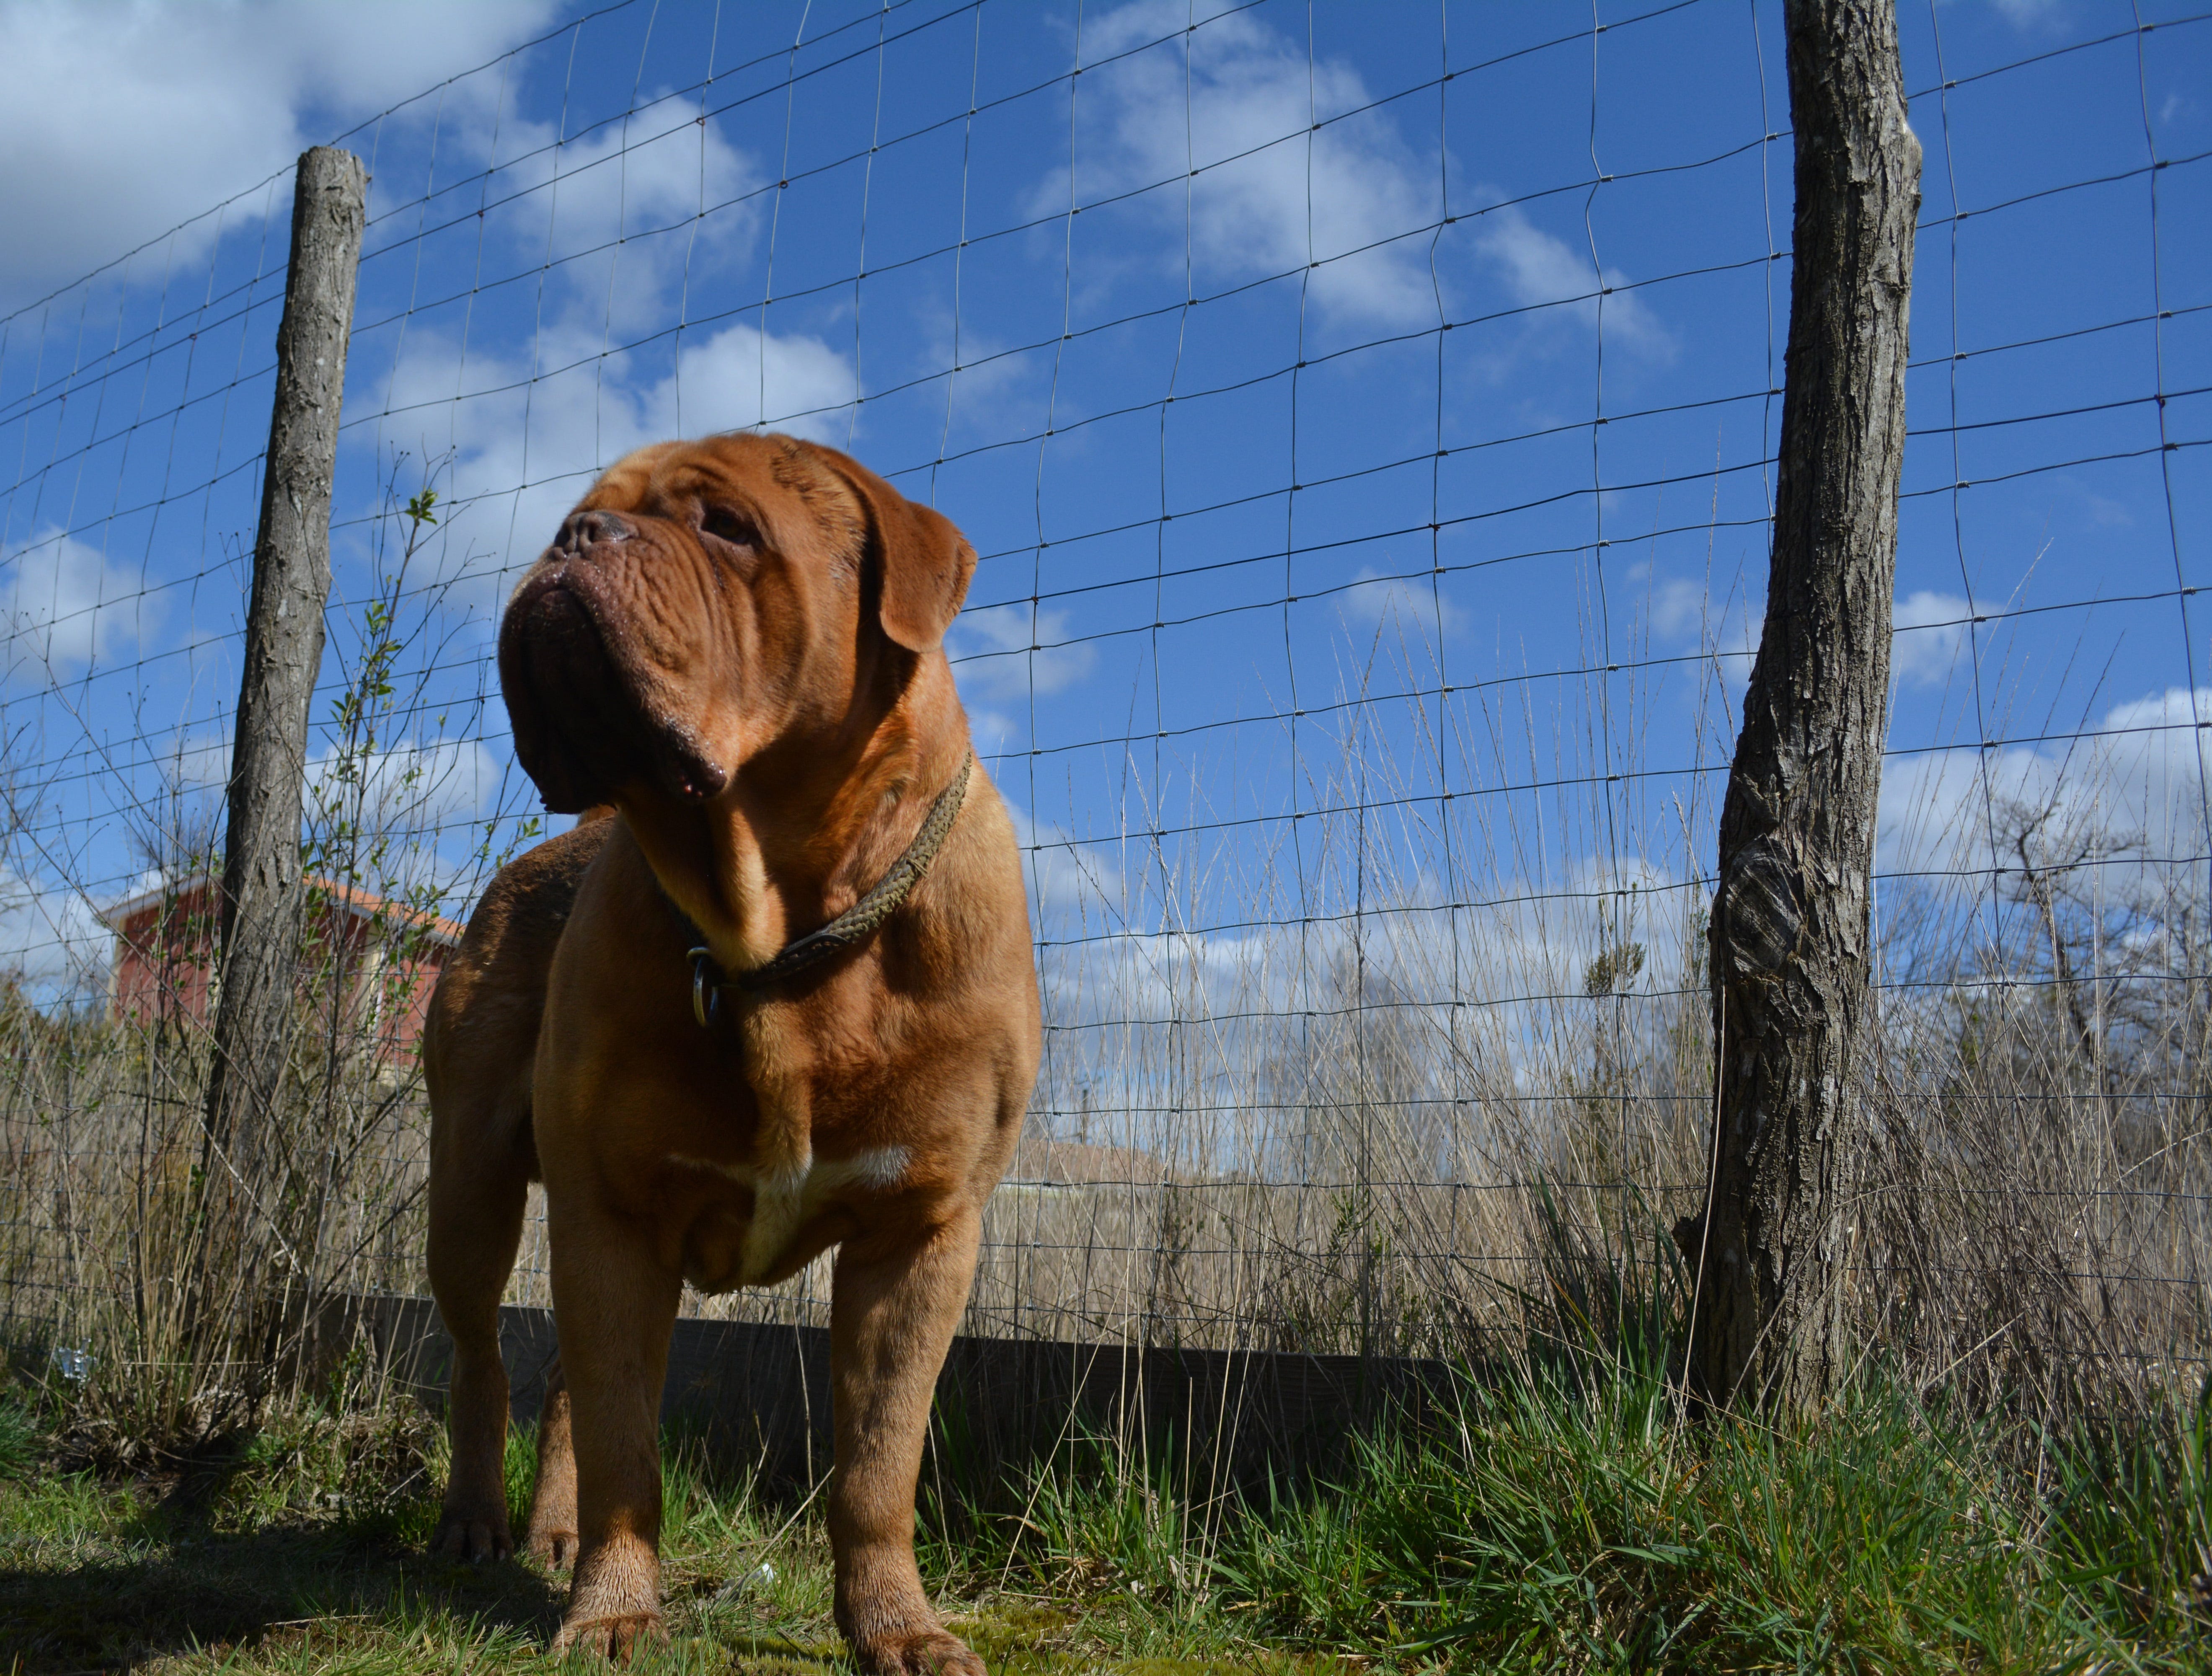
(1366, 420)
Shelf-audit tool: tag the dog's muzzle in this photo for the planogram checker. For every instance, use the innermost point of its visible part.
(584, 720)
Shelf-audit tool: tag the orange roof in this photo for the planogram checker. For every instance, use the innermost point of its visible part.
(359, 903)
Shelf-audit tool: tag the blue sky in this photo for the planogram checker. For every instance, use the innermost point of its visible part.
(1362, 412)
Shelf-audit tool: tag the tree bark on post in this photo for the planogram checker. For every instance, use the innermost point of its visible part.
(261, 909)
(1791, 918)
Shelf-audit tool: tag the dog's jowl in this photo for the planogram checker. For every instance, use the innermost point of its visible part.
(772, 995)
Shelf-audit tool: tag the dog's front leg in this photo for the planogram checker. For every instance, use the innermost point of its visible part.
(895, 1303)
(615, 1306)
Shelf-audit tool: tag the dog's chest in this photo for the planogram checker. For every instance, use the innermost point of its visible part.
(745, 1231)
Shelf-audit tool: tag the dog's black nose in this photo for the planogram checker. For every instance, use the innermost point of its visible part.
(583, 530)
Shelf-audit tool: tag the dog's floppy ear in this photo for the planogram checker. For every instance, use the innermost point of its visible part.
(926, 564)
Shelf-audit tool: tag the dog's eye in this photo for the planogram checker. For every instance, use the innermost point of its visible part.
(725, 525)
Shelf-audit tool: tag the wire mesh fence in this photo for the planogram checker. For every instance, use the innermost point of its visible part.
(1366, 421)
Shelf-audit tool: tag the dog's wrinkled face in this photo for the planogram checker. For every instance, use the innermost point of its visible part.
(708, 598)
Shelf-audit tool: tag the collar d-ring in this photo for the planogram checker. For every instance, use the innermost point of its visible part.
(854, 925)
(706, 994)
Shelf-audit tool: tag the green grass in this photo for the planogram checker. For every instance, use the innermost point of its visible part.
(301, 1550)
(1565, 1519)
(1564, 1530)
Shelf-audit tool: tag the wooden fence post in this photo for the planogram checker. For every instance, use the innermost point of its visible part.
(1791, 915)
(262, 901)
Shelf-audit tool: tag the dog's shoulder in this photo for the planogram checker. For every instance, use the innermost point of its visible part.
(533, 893)
(510, 939)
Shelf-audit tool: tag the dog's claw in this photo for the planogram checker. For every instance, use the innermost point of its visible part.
(476, 1540)
(616, 1637)
(926, 1653)
(554, 1549)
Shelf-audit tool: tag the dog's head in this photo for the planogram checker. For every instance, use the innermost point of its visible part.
(708, 599)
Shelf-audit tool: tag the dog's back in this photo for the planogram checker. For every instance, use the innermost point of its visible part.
(481, 1033)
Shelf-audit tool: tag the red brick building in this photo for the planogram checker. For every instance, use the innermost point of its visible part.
(386, 957)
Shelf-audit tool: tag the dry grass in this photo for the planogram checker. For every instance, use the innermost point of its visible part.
(1339, 1083)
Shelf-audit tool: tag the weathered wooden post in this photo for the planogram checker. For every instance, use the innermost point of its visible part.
(1791, 916)
(263, 895)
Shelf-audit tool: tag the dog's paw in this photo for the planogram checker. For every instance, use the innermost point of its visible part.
(554, 1549)
(615, 1636)
(926, 1652)
(471, 1535)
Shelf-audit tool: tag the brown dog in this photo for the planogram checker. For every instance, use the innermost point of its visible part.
(737, 645)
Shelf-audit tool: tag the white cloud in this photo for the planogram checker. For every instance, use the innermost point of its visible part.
(1317, 195)
(2029, 14)
(1684, 611)
(519, 453)
(657, 170)
(1541, 270)
(196, 761)
(995, 732)
(50, 942)
(1136, 1000)
(1115, 924)
(1678, 607)
(2141, 776)
(1072, 885)
(1400, 604)
(1112, 951)
(742, 376)
(125, 116)
(411, 786)
(63, 605)
(997, 391)
(1928, 630)
(521, 432)
(993, 655)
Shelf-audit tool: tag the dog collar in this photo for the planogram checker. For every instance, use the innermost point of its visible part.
(854, 926)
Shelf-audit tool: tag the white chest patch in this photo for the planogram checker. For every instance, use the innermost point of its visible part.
(783, 1199)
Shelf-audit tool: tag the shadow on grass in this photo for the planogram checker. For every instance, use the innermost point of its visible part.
(175, 1584)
